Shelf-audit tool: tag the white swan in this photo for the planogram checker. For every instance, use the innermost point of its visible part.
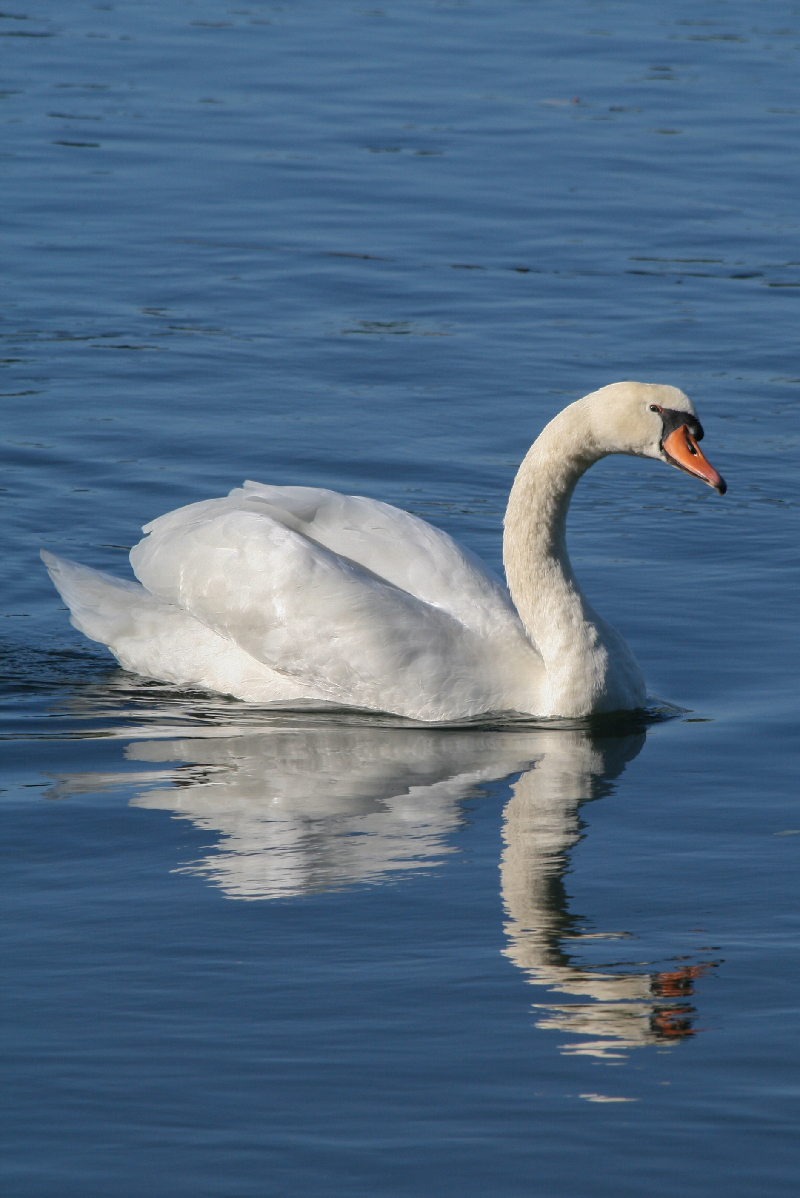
(280, 594)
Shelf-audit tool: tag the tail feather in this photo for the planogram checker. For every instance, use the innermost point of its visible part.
(159, 640)
(101, 606)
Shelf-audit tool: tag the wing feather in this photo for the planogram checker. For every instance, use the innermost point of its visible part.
(320, 615)
(385, 541)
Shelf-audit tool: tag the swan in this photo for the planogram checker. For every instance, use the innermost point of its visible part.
(279, 595)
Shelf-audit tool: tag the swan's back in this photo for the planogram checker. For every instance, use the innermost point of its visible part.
(383, 541)
(331, 597)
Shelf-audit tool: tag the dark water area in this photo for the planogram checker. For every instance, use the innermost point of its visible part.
(376, 249)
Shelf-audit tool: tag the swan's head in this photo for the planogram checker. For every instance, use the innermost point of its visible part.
(652, 421)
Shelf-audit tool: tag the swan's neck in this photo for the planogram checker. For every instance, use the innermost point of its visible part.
(589, 666)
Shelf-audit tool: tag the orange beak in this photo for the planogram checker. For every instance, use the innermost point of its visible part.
(682, 450)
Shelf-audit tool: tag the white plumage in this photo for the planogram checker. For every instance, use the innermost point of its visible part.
(280, 594)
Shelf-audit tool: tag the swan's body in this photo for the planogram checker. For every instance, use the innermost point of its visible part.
(280, 594)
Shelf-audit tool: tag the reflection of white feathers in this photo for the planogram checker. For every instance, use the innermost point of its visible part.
(306, 810)
(302, 809)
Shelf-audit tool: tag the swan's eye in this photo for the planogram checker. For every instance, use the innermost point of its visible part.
(654, 407)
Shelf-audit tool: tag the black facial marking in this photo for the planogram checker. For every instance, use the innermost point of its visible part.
(672, 420)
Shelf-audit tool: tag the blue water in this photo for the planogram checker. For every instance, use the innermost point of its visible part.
(377, 249)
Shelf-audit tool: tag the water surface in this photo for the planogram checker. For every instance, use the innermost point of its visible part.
(377, 249)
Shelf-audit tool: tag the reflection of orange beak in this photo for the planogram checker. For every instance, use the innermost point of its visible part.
(682, 450)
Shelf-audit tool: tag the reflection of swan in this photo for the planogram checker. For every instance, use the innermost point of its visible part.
(277, 594)
(311, 807)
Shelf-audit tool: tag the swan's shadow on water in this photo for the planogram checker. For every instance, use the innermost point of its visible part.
(309, 802)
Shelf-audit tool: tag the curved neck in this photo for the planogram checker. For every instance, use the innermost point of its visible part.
(540, 576)
(589, 666)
